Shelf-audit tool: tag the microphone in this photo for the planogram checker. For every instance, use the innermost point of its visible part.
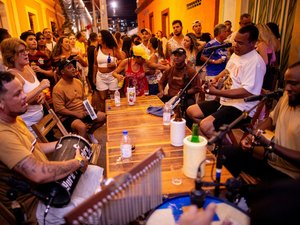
(274, 94)
(214, 48)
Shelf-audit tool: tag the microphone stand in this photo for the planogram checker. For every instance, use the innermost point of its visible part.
(183, 91)
(198, 194)
(217, 139)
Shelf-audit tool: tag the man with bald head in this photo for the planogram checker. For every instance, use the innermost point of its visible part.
(282, 152)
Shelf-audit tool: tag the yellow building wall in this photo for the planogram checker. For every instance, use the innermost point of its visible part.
(178, 11)
(295, 42)
(44, 12)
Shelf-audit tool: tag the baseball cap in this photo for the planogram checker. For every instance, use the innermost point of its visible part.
(66, 62)
(196, 22)
(140, 51)
(147, 30)
(180, 51)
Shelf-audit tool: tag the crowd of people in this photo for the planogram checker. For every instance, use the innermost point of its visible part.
(72, 66)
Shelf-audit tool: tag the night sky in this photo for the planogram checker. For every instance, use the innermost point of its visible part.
(125, 9)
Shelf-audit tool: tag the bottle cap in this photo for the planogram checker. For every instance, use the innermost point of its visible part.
(125, 132)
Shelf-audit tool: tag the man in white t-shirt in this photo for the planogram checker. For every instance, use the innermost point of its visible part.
(146, 35)
(245, 71)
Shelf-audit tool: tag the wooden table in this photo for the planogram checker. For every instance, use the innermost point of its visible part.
(148, 134)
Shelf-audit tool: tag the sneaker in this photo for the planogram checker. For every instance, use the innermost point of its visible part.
(92, 138)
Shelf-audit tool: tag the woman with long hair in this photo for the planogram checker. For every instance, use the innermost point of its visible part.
(105, 62)
(126, 46)
(156, 56)
(62, 50)
(191, 47)
(266, 47)
(119, 40)
(15, 57)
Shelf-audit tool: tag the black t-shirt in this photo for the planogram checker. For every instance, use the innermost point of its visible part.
(204, 37)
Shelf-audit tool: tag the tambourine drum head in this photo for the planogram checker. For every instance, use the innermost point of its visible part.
(170, 211)
(67, 145)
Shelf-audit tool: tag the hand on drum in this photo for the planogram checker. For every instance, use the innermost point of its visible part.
(204, 217)
(79, 157)
(247, 142)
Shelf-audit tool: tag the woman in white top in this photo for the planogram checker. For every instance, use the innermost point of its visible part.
(15, 57)
(156, 56)
(106, 59)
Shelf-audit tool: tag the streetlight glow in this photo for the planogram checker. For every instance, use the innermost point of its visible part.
(114, 5)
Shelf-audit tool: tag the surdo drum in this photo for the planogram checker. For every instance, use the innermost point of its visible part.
(62, 190)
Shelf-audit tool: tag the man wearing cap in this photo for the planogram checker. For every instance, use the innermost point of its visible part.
(146, 35)
(177, 40)
(177, 77)
(68, 96)
(135, 68)
(197, 28)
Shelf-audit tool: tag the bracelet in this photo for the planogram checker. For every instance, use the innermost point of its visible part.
(270, 148)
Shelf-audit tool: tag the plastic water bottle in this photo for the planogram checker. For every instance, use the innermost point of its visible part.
(126, 146)
(117, 98)
(167, 114)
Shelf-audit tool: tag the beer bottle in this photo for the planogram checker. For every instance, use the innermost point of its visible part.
(178, 113)
(195, 133)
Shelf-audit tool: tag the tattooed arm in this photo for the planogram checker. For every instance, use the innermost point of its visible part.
(43, 172)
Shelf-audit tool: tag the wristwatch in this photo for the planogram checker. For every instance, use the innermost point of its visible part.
(81, 162)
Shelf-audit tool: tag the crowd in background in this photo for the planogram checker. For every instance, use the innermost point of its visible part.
(65, 70)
